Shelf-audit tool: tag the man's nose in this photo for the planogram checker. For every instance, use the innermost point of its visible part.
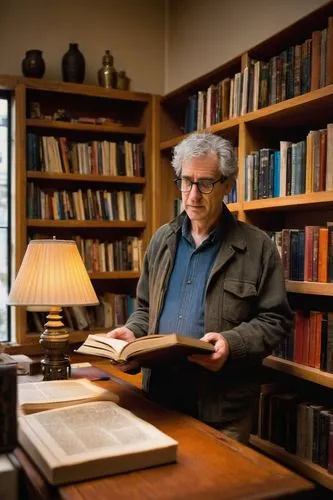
(194, 191)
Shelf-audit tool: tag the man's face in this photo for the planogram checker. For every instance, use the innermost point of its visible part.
(204, 208)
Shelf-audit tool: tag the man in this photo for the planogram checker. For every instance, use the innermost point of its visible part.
(209, 276)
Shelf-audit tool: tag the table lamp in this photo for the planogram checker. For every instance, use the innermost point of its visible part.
(53, 274)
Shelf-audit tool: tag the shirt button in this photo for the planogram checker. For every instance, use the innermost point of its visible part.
(180, 316)
(189, 282)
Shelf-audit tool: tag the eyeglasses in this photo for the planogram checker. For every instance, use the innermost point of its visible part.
(204, 186)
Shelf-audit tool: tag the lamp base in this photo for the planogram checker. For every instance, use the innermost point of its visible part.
(54, 339)
(56, 369)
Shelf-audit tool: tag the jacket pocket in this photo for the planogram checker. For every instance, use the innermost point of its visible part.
(239, 300)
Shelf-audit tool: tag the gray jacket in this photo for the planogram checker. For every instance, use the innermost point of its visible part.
(245, 300)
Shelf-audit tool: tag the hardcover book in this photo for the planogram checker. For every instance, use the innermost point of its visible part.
(34, 397)
(87, 440)
(147, 350)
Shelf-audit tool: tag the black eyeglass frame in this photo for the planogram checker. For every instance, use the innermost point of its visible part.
(178, 180)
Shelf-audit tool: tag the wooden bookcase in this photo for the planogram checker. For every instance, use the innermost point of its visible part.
(291, 120)
(129, 116)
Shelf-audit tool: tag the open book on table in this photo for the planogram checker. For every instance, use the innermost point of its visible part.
(94, 439)
(34, 397)
(146, 350)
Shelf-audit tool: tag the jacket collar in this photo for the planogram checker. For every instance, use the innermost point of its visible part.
(233, 229)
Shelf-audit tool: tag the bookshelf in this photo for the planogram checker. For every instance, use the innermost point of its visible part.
(301, 465)
(297, 370)
(289, 119)
(125, 117)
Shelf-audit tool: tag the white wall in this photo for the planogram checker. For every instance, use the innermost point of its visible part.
(133, 30)
(203, 34)
(199, 36)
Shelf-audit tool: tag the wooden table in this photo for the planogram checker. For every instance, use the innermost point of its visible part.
(210, 465)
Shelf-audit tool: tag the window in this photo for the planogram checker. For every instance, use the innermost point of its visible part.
(4, 217)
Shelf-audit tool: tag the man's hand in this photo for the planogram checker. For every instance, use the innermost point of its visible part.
(215, 361)
(122, 333)
(126, 334)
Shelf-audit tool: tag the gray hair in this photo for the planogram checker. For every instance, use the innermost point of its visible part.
(201, 144)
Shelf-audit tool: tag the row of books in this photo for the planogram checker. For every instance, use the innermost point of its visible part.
(296, 70)
(83, 205)
(232, 196)
(59, 155)
(310, 342)
(296, 168)
(307, 254)
(112, 311)
(303, 428)
(104, 256)
(107, 256)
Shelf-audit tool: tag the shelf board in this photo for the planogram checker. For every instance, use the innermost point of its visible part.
(115, 275)
(289, 202)
(104, 224)
(217, 127)
(293, 109)
(83, 89)
(84, 127)
(309, 103)
(56, 176)
(233, 207)
(300, 371)
(310, 287)
(301, 465)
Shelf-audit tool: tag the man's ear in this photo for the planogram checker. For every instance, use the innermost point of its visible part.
(228, 185)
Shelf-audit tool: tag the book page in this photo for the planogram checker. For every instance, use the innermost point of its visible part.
(92, 430)
(101, 341)
(56, 391)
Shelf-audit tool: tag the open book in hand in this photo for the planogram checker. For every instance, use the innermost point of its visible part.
(34, 397)
(147, 350)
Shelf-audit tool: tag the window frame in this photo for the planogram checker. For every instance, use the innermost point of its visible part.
(7, 96)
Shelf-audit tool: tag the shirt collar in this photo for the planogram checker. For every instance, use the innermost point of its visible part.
(214, 235)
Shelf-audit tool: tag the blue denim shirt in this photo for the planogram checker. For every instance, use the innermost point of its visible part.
(184, 304)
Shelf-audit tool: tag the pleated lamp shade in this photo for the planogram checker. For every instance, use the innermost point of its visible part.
(52, 273)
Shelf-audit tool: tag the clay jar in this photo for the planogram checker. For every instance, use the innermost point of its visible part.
(73, 65)
(33, 65)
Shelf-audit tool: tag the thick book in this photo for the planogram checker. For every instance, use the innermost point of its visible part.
(34, 397)
(92, 440)
(147, 351)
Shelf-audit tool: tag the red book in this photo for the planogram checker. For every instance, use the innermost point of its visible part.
(312, 339)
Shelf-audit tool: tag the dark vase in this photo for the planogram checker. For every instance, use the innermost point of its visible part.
(73, 65)
(33, 64)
